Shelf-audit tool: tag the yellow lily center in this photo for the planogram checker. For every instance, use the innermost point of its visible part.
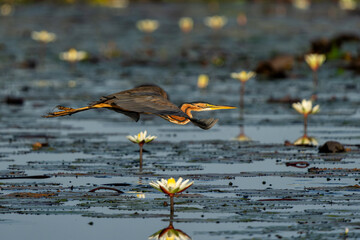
(171, 183)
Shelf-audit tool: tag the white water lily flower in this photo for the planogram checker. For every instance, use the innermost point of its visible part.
(73, 55)
(315, 60)
(347, 4)
(305, 107)
(203, 81)
(243, 76)
(215, 22)
(170, 187)
(141, 138)
(301, 4)
(43, 36)
(186, 24)
(147, 25)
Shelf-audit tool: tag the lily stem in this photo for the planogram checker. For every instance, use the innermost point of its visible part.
(43, 53)
(305, 124)
(315, 79)
(242, 93)
(141, 158)
(171, 207)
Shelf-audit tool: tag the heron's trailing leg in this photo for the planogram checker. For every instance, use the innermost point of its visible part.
(65, 111)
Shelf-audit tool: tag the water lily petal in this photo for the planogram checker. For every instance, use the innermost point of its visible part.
(315, 109)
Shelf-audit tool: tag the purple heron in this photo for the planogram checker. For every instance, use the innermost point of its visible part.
(148, 99)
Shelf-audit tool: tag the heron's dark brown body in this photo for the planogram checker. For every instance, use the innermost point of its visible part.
(147, 99)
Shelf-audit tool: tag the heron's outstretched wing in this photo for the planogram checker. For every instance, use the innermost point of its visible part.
(143, 90)
(146, 103)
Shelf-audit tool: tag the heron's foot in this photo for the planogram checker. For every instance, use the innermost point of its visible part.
(64, 112)
(204, 123)
(64, 108)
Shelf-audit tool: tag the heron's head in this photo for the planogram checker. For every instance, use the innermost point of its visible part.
(207, 107)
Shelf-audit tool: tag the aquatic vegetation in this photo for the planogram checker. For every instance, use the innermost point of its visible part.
(43, 36)
(186, 24)
(243, 77)
(203, 81)
(90, 150)
(347, 4)
(215, 22)
(301, 4)
(314, 61)
(171, 188)
(111, 3)
(306, 141)
(141, 139)
(170, 233)
(242, 137)
(241, 19)
(73, 55)
(306, 108)
(6, 9)
(147, 25)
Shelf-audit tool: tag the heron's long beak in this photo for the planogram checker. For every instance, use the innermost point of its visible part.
(218, 107)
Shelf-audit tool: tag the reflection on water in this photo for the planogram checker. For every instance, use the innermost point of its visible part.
(242, 137)
(137, 194)
(170, 233)
(305, 140)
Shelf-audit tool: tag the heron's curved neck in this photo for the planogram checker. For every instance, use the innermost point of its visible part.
(187, 108)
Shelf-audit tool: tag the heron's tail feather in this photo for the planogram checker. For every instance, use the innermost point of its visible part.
(65, 111)
(204, 123)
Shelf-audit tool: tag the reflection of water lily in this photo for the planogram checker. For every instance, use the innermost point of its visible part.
(305, 107)
(138, 194)
(243, 138)
(215, 22)
(73, 55)
(186, 24)
(243, 76)
(203, 81)
(170, 187)
(170, 233)
(43, 36)
(306, 141)
(315, 60)
(147, 25)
